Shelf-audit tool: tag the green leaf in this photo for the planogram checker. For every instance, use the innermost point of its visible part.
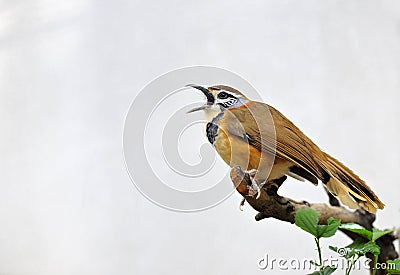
(326, 231)
(393, 266)
(361, 248)
(358, 247)
(377, 233)
(307, 219)
(333, 248)
(329, 270)
(358, 229)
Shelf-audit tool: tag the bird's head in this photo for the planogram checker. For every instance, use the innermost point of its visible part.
(219, 97)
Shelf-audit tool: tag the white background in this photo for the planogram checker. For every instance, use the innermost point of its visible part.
(69, 70)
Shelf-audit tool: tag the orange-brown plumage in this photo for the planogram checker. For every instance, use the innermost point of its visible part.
(256, 136)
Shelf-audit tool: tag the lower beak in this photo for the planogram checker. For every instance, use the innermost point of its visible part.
(207, 93)
(198, 109)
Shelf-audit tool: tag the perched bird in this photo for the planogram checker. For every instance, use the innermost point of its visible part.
(260, 140)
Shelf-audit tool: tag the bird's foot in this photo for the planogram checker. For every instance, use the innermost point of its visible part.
(252, 172)
(254, 189)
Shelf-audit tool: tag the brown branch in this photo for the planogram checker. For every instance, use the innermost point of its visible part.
(271, 205)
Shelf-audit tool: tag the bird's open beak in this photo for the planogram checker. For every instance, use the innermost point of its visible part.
(207, 93)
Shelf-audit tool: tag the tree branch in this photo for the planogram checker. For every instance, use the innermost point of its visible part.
(271, 205)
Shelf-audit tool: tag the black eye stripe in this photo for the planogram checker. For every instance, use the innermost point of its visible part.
(227, 99)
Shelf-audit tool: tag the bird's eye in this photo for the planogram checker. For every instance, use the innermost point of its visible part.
(222, 95)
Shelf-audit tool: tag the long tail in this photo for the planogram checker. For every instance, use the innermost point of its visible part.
(349, 188)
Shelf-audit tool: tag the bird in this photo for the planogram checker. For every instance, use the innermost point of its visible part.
(260, 140)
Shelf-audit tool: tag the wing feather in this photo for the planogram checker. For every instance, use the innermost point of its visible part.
(273, 133)
(279, 136)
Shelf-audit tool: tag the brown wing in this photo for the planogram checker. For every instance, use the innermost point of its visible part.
(273, 132)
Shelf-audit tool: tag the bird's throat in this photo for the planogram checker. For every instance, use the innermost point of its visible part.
(212, 112)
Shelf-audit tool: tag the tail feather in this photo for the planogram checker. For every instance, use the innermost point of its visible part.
(341, 191)
(349, 188)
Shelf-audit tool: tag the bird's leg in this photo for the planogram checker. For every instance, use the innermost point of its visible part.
(252, 172)
(254, 188)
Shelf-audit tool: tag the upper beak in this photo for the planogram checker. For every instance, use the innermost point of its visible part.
(207, 93)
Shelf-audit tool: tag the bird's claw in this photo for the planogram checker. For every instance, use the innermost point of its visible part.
(254, 189)
(258, 195)
(252, 172)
